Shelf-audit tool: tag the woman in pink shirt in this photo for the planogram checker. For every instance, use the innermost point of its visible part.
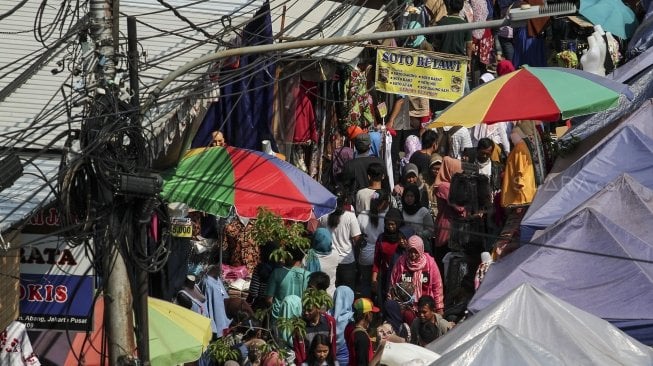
(419, 268)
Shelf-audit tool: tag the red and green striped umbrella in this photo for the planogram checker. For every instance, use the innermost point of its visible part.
(534, 93)
(219, 179)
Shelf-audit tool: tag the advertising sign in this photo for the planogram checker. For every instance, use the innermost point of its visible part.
(418, 73)
(182, 227)
(56, 284)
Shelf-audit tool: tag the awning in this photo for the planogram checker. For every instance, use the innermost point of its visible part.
(316, 19)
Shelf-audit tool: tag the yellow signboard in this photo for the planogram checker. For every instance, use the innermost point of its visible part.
(420, 73)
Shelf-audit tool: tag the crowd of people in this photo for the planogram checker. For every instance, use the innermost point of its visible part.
(389, 264)
(411, 237)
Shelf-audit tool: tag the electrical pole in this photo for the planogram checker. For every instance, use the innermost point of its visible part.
(118, 319)
(141, 287)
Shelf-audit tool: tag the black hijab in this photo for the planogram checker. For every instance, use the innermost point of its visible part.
(411, 209)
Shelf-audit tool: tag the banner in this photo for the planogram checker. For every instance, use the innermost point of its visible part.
(56, 284)
(418, 73)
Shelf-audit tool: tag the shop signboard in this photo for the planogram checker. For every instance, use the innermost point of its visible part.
(418, 73)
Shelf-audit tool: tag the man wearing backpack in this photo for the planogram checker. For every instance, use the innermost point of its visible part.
(453, 140)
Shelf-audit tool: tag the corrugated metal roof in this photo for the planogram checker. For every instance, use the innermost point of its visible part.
(37, 98)
(302, 16)
(30, 191)
(31, 112)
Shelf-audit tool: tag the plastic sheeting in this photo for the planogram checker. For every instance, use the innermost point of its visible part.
(498, 346)
(624, 201)
(587, 260)
(641, 84)
(575, 336)
(400, 354)
(627, 149)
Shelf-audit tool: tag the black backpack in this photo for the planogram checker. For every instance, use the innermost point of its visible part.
(470, 189)
(444, 139)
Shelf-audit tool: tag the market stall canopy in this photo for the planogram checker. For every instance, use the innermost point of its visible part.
(218, 180)
(317, 19)
(613, 15)
(498, 346)
(534, 93)
(587, 260)
(575, 336)
(624, 201)
(627, 149)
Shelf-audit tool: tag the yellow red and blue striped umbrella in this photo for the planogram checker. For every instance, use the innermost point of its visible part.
(534, 93)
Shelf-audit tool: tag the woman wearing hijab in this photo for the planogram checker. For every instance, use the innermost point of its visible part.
(320, 257)
(446, 211)
(419, 268)
(393, 322)
(291, 307)
(415, 214)
(388, 243)
(412, 144)
(343, 313)
(411, 176)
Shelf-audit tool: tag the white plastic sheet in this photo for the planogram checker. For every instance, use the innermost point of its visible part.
(498, 346)
(575, 336)
(404, 354)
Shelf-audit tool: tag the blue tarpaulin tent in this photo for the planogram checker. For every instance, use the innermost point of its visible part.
(598, 258)
(627, 149)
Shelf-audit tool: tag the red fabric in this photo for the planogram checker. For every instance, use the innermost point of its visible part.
(408, 315)
(383, 253)
(248, 195)
(483, 47)
(305, 123)
(522, 86)
(505, 67)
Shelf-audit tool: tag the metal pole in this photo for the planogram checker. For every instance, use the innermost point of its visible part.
(117, 291)
(141, 290)
(132, 52)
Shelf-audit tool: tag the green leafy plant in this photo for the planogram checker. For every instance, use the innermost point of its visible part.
(270, 227)
(294, 325)
(222, 351)
(314, 298)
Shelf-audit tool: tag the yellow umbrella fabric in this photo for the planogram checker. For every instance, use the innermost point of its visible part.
(177, 335)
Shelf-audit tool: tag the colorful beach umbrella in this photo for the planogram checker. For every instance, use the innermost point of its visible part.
(534, 93)
(219, 179)
(177, 336)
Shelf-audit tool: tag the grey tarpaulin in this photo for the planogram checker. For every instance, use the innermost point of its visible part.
(575, 336)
